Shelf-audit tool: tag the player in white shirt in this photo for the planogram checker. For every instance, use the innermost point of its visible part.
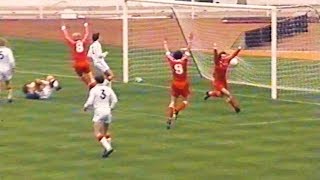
(97, 56)
(7, 66)
(102, 99)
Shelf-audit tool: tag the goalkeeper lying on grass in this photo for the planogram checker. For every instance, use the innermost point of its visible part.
(41, 88)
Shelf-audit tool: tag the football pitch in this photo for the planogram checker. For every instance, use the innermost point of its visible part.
(53, 139)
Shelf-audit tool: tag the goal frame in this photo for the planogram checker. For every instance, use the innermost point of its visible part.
(271, 9)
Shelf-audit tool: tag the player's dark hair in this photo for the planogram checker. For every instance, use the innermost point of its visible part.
(25, 89)
(221, 53)
(99, 79)
(95, 36)
(177, 54)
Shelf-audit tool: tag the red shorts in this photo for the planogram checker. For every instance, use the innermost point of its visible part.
(220, 84)
(180, 88)
(82, 67)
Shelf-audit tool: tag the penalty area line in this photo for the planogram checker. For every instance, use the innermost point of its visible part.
(41, 73)
(167, 87)
(274, 122)
(240, 95)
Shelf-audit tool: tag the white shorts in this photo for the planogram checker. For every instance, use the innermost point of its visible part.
(101, 66)
(5, 75)
(103, 116)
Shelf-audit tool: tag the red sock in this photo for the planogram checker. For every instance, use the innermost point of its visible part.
(233, 103)
(170, 112)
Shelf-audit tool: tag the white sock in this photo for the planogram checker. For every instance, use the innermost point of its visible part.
(106, 144)
(109, 140)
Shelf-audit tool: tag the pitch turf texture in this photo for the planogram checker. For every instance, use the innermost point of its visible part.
(53, 139)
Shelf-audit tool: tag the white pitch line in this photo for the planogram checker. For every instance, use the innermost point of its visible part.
(274, 122)
(167, 87)
(189, 119)
(41, 73)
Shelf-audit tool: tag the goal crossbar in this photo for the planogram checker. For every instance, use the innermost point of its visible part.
(204, 4)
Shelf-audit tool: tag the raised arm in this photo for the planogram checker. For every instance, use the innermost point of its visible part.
(234, 54)
(190, 38)
(66, 34)
(215, 53)
(86, 32)
(165, 45)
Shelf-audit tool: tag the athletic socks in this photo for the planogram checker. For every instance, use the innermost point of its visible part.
(103, 140)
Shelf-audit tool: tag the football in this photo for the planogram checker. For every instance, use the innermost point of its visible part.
(234, 61)
(138, 79)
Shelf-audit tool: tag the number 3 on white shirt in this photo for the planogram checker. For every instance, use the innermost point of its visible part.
(79, 47)
(178, 69)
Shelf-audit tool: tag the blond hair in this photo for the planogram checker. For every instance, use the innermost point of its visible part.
(76, 36)
(3, 41)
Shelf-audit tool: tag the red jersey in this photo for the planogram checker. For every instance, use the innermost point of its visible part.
(220, 69)
(178, 67)
(79, 50)
(79, 47)
(221, 65)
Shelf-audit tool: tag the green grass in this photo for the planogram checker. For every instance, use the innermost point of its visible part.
(54, 140)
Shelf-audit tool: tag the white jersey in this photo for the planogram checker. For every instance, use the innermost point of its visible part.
(7, 61)
(95, 52)
(102, 98)
(97, 56)
(46, 91)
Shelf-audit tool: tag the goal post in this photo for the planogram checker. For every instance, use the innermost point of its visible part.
(270, 36)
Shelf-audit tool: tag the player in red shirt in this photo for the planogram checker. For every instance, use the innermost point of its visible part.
(178, 62)
(79, 46)
(220, 85)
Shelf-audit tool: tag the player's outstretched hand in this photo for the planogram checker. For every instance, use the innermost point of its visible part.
(105, 53)
(165, 40)
(63, 27)
(85, 24)
(214, 45)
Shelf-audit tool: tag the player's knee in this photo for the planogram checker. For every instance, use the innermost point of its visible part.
(171, 104)
(218, 93)
(228, 99)
(185, 102)
(99, 136)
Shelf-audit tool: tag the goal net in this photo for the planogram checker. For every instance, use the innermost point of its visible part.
(298, 51)
(297, 70)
